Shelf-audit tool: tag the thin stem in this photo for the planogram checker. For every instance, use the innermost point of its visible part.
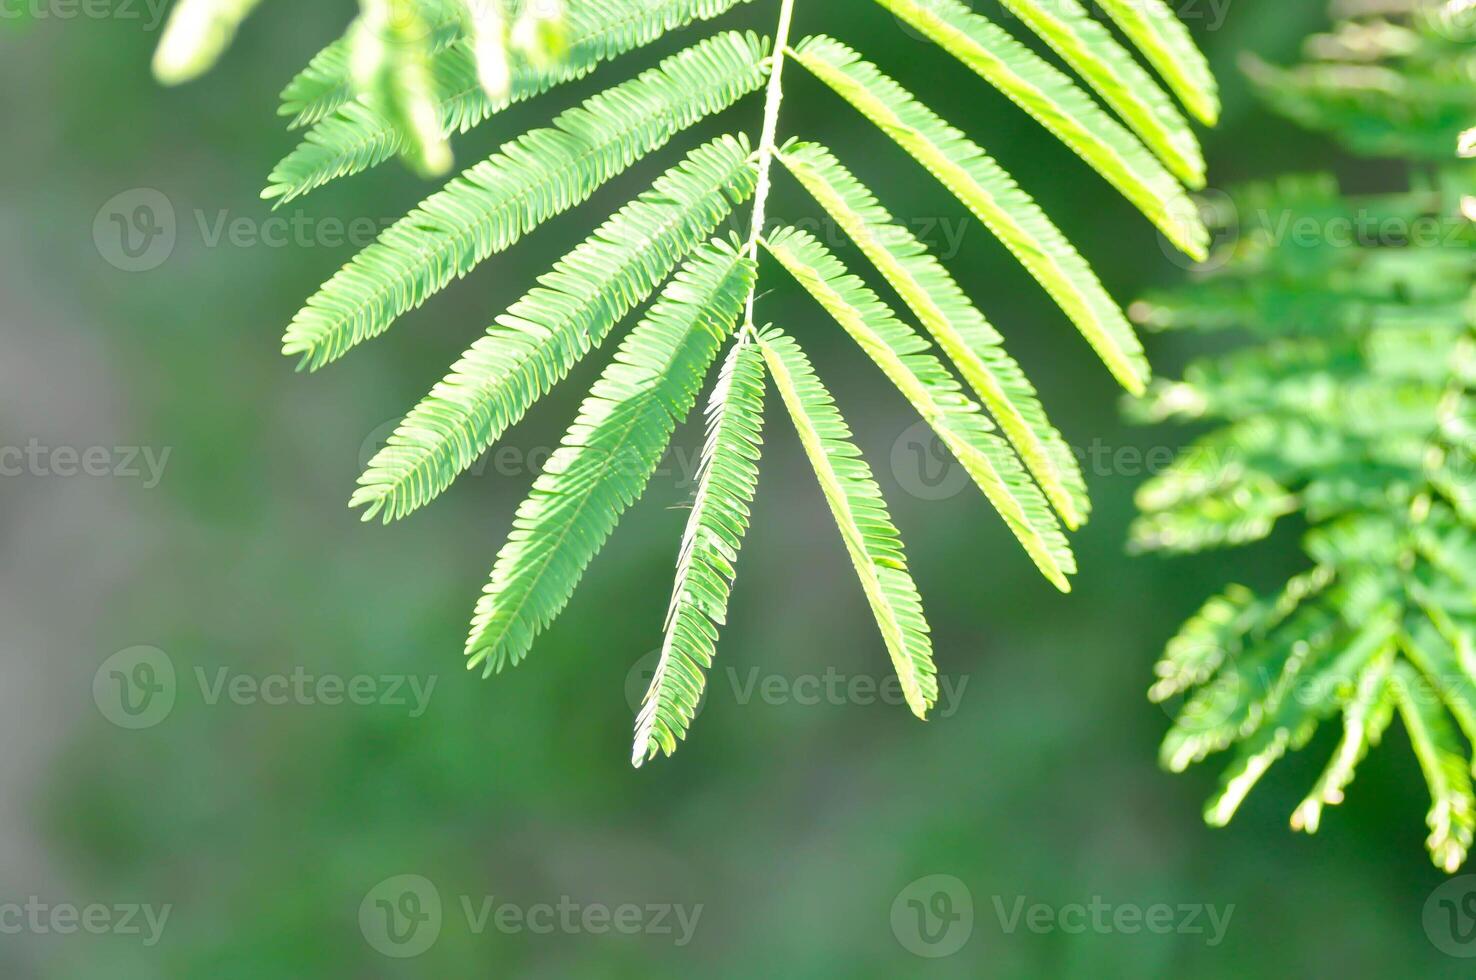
(767, 145)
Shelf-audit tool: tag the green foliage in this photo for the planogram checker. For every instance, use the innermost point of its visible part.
(198, 33)
(411, 74)
(540, 174)
(907, 361)
(1351, 406)
(609, 453)
(705, 566)
(1384, 85)
(856, 502)
(347, 136)
(960, 330)
(537, 342)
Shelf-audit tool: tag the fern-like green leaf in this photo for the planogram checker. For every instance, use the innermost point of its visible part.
(1165, 41)
(907, 362)
(1089, 48)
(1205, 641)
(728, 477)
(1365, 718)
(1238, 513)
(327, 83)
(540, 174)
(992, 196)
(1314, 677)
(542, 336)
(1246, 690)
(409, 75)
(969, 340)
(348, 136)
(1444, 761)
(608, 455)
(1436, 652)
(856, 502)
(1347, 404)
(1063, 108)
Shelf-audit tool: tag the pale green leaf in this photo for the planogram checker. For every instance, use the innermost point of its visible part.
(871, 540)
(494, 204)
(1058, 104)
(970, 342)
(699, 602)
(909, 364)
(537, 342)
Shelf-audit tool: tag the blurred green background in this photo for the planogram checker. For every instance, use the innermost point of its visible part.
(797, 828)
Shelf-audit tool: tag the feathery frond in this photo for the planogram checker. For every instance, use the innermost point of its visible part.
(908, 363)
(1091, 50)
(1444, 759)
(608, 455)
(538, 175)
(1383, 85)
(1059, 105)
(327, 82)
(348, 137)
(970, 342)
(390, 55)
(1166, 43)
(705, 566)
(542, 336)
(992, 196)
(409, 75)
(856, 502)
(1349, 406)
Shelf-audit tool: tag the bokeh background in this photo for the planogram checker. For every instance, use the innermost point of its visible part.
(798, 828)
